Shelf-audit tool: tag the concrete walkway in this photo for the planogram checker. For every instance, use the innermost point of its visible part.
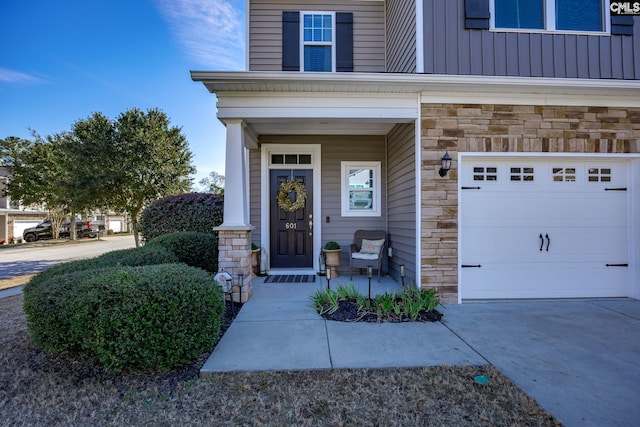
(579, 359)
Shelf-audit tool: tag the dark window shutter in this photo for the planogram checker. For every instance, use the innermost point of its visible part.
(476, 14)
(344, 42)
(621, 25)
(290, 41)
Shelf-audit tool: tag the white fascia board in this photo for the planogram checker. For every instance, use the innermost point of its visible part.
(432, 87)
(318, 105)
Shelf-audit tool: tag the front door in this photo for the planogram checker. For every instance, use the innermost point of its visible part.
(291, 232)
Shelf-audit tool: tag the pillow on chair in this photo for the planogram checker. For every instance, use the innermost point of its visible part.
(371, 246)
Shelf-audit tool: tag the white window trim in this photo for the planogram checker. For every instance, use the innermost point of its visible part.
(376, 209)
(332, 44)
(550, 21)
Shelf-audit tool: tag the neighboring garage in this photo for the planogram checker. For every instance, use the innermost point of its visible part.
(552, 227)
(115, 225)
(20, 225)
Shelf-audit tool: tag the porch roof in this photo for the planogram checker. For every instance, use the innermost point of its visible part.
(460, 87)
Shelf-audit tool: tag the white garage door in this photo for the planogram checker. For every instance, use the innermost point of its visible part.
(20, 225)
(115, 225)
(553, 228)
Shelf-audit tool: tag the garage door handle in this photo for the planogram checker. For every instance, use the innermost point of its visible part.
(541, 242)
(548, 241)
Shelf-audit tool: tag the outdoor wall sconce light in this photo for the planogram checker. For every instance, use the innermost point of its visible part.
(445, 162)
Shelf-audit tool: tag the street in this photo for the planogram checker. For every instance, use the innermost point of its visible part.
(32, 258)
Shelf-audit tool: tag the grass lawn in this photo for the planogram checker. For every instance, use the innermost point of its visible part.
(36, 389)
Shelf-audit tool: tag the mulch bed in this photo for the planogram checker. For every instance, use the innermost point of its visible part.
(348, 311)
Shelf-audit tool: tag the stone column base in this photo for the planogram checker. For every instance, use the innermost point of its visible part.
(234, 257)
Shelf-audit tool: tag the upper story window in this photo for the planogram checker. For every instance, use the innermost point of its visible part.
(318, 34)
(550, 15)
(317, 41)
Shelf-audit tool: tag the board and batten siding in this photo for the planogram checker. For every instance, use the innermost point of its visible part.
(401, 203)
(401, 36)
(265, 32)
(336, 149)
(449, 48)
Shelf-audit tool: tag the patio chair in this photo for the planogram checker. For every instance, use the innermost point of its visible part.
(367, 249)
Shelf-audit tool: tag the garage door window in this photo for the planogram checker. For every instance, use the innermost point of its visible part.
(485, 173)
(564, 174)
(599, 175)
(521, 174)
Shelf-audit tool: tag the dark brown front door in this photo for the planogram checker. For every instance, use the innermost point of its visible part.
(291, 232)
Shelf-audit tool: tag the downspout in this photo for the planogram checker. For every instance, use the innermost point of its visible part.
(418, 189)
(419, 37)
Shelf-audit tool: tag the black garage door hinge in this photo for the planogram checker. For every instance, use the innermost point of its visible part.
(616, 265)
(615, 189)
(470, 266)
(470, 188)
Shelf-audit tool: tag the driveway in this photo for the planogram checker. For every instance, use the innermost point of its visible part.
(31, 258)
(579, 359)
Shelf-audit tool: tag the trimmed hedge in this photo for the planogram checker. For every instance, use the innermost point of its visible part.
(184, 212)
(193, 248)
(145, 255)
(143, 319)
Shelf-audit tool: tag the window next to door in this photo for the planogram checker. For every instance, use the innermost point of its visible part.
(360, 188)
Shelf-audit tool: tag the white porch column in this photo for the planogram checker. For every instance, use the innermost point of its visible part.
(234, 234)
(236, 209)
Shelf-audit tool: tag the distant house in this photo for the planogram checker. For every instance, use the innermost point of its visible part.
(537, 105)
(14, 218)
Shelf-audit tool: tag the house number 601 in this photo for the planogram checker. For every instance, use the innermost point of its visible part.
(291, 226)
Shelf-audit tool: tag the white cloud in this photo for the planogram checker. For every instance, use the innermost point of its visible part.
(12, 76)
(212, 31)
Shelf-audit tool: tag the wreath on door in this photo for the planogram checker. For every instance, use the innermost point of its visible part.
(283, 196)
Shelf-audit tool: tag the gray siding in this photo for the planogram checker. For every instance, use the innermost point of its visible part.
(255, 181)
(334, 150)
(402, 200)
(449, 48)
(265, 32)
(401, 36)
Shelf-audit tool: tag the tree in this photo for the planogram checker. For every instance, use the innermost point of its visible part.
(146, 160)
(214, 183)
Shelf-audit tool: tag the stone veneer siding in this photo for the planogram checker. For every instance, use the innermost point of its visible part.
(234, 257)
(500, 129)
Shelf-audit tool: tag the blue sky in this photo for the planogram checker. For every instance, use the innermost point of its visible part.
(60, 61)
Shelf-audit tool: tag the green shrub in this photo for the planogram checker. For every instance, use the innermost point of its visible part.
(332, 246)
(184, 212)
(143, 319)
(145, 255)
(192, 248)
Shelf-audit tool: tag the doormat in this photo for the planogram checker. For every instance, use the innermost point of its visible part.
(291, 278)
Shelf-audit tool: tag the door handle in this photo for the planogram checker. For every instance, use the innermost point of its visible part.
(541, 242)
(548, 242)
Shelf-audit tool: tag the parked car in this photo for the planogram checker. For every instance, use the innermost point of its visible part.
(44, 231)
